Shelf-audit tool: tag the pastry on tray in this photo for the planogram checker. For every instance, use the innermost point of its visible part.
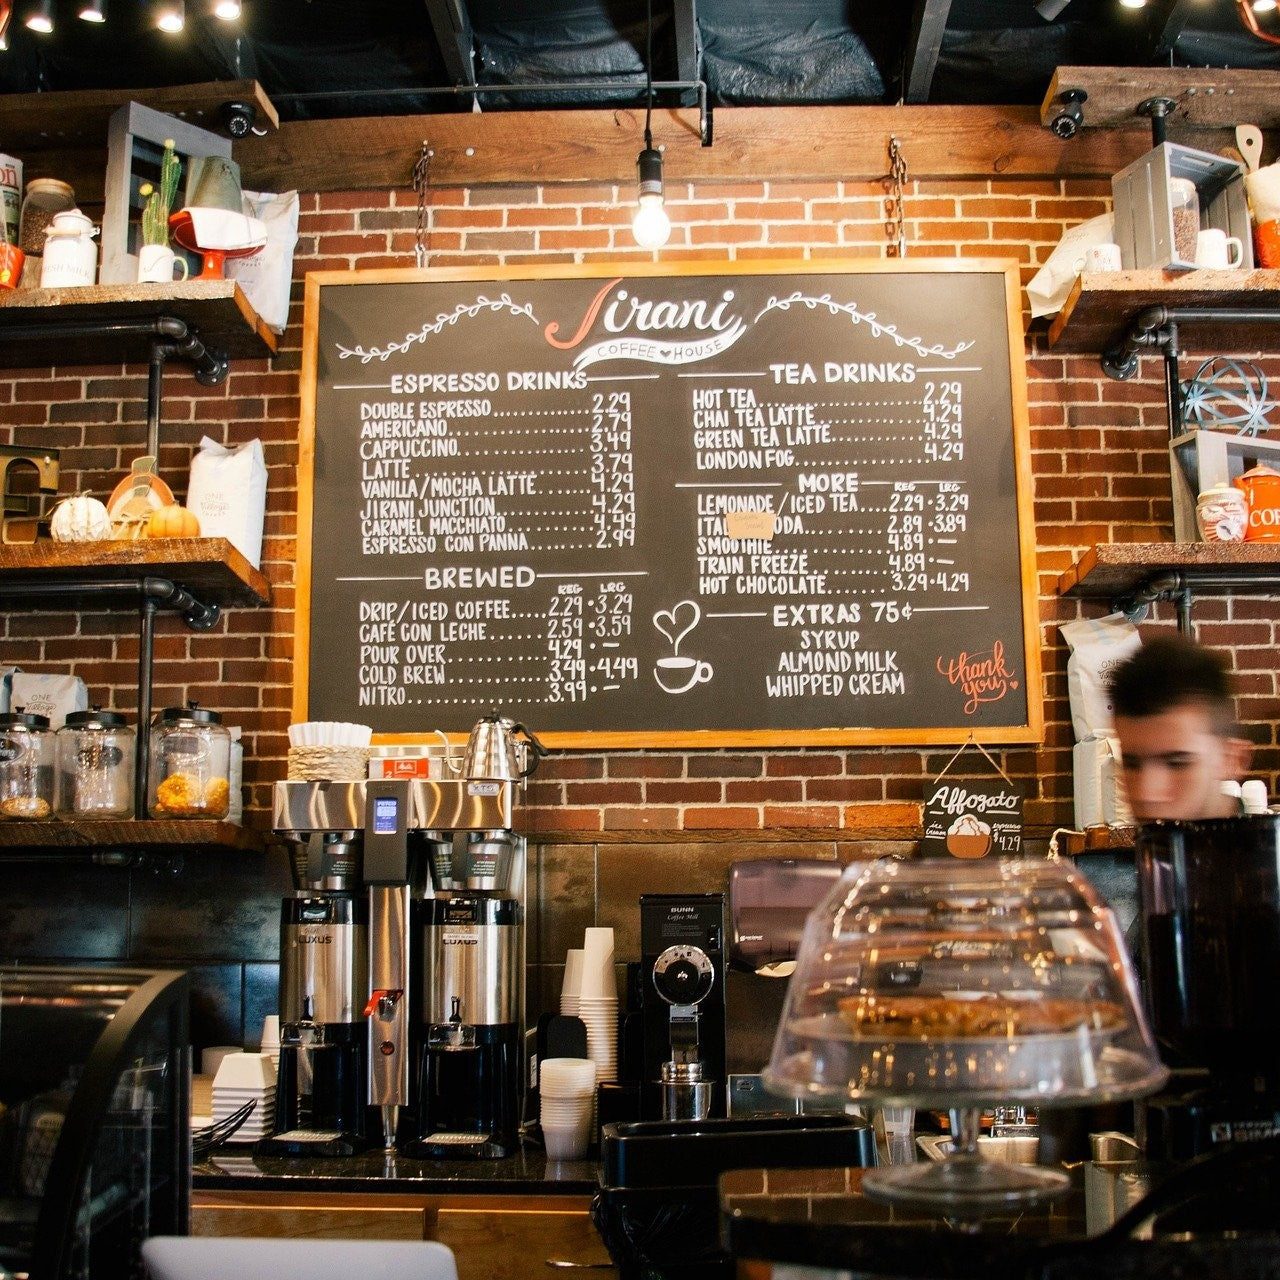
(916, 1017)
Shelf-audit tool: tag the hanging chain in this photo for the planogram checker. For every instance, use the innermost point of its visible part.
(894, 227)
(421, 180)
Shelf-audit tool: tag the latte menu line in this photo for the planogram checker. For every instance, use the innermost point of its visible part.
(731, 504)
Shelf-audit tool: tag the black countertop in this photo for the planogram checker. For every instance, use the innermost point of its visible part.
(528, 1172)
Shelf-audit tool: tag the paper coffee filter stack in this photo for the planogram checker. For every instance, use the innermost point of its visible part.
(328, 750)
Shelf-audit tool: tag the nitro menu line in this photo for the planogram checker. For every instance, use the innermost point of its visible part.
(729, 505)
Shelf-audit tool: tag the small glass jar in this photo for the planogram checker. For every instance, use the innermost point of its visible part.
(26, 767)
(190, 764)
(44, 197)
(1184, 206)
(95, 766)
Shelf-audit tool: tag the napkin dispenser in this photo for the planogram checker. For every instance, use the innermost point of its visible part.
(769, 902)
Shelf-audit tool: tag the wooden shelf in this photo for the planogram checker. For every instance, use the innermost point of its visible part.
(1117, 569)
(210, 568)
(216, 310)
(1102, 305)
(129, 835)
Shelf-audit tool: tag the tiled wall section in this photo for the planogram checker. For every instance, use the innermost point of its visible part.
(1101, 474)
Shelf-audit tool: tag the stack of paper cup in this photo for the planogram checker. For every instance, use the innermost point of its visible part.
(571, 989)
(598, 1002)
(270, 1044)
(244, 1077)
(567, 1089)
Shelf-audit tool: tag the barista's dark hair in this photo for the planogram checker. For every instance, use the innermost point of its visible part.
(1170, 671)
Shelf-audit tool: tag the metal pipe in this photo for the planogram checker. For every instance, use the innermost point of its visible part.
(142, 746)
(1180, 585)
(1157, 327)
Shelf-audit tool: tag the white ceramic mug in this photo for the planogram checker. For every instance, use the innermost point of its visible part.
(1217, 251)
(1100, 257)
(156, 264)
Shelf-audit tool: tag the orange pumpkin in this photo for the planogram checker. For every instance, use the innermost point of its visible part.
(173, 521)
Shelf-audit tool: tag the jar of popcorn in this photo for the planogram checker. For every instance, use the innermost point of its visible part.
(1222, 514)
(27, 780)
(190, 771)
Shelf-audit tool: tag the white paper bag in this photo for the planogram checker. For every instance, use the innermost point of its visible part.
(1098, 646)
(267, 276)
(228, 493)
(43, 694)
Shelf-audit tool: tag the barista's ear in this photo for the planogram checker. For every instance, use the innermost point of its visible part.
(1237, 752)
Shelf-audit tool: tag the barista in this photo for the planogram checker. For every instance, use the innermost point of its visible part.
(1175, 718)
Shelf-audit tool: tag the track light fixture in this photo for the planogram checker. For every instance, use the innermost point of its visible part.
(93, 10)
(40, 17)
(169, 15)
(650, 224)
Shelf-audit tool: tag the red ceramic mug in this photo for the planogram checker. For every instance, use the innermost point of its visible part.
(11, 260)
(1266, 240)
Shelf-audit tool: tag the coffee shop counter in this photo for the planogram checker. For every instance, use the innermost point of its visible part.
(502, 1218)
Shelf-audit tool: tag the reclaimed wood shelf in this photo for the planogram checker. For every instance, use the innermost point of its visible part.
(1102, 305)
(210, 568)
(1117, 569)
(216, 310)
(128, 835)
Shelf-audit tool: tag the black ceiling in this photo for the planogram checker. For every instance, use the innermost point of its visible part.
(344, 58)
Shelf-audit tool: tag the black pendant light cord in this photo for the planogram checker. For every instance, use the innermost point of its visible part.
(648, 73)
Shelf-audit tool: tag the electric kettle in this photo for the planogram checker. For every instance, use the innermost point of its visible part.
(494, 750)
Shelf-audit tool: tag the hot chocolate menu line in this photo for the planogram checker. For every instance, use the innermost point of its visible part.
(694, 503)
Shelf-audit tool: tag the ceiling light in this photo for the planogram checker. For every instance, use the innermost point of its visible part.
(1133, 4)
(169, 15)
(1264, 6)
(93, 10)
(650, 225)
(227, 10)
(40, 17)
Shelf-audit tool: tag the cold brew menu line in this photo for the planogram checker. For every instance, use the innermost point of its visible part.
(755, 505)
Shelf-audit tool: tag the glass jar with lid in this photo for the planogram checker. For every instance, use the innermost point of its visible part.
(95, 765)
(1184, 206)
(26, 766)
(190, 773)
(44, 198)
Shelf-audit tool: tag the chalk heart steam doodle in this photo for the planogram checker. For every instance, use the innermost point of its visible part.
(676, 623)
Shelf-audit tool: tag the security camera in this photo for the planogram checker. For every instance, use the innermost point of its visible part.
(1071, 116)
(238, 118)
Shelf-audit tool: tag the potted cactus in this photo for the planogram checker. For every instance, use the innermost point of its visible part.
(159, 200)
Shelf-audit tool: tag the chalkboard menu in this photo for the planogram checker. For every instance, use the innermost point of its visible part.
(726, 504)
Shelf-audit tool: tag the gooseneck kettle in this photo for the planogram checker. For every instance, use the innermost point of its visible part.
(495, 747)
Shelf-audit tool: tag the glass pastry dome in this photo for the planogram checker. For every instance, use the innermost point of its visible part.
(957, 984)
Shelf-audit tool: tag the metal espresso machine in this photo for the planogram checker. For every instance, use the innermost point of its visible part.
(322, 1090)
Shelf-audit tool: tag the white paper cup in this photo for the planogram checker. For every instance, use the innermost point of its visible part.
(569, 1142)
(571, 987)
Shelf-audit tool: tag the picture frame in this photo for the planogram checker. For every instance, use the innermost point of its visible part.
(135, 143)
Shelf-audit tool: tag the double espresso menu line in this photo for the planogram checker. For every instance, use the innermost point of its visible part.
(760, 506)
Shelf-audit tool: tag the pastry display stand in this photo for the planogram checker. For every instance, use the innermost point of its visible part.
(213, 257)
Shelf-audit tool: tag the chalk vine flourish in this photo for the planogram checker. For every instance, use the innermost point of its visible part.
(464, 311)
(877, 327)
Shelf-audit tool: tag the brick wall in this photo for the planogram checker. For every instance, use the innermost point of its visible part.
(1099, 462)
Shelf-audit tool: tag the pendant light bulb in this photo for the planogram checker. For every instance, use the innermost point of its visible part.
(41, 17)
(650, 225)
(227, 10)
(93, 11)
(170, 16)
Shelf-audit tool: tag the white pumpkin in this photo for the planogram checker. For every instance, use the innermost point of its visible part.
(80, 519)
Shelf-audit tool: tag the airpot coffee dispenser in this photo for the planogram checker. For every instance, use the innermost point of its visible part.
(323, 1076)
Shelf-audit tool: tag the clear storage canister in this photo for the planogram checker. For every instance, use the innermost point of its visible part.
(26, 766)
(190, 764)
(95, 766)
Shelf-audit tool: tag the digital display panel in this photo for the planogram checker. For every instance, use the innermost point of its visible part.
(386, 815)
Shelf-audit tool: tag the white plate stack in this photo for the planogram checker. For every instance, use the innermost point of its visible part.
(242, 1078)
(598, 1001)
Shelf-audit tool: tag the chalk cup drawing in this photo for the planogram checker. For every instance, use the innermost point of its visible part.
(677, 673)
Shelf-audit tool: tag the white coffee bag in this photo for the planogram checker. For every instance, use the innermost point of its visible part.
(228, 493)
(1097, 645)
(43, 694)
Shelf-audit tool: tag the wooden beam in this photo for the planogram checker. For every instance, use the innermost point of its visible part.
(924, 43)
(825, 143)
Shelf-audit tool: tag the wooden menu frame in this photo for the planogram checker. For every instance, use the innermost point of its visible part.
(410, 291)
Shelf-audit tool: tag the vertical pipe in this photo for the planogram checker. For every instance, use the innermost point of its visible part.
(142, 753)
(155, 380)
(1184, 612)
(1172, 385)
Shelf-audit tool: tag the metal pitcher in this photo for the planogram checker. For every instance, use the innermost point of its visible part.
(495, 750)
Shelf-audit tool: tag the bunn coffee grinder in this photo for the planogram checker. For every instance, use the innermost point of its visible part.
(322, 1083)
(471, 1067)
(682, 1006)
(1210, 901)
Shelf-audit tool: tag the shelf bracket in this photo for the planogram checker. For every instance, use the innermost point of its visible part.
(1157, 326)
(1179, 586)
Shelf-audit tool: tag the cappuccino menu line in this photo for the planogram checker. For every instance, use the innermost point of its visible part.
(736, 502)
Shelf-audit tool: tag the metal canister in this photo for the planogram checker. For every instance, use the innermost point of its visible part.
(95, 765)
(190, 774)
(26, 766)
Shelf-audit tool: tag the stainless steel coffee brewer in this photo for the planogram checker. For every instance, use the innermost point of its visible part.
(682, 1004)
(321, 1100)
